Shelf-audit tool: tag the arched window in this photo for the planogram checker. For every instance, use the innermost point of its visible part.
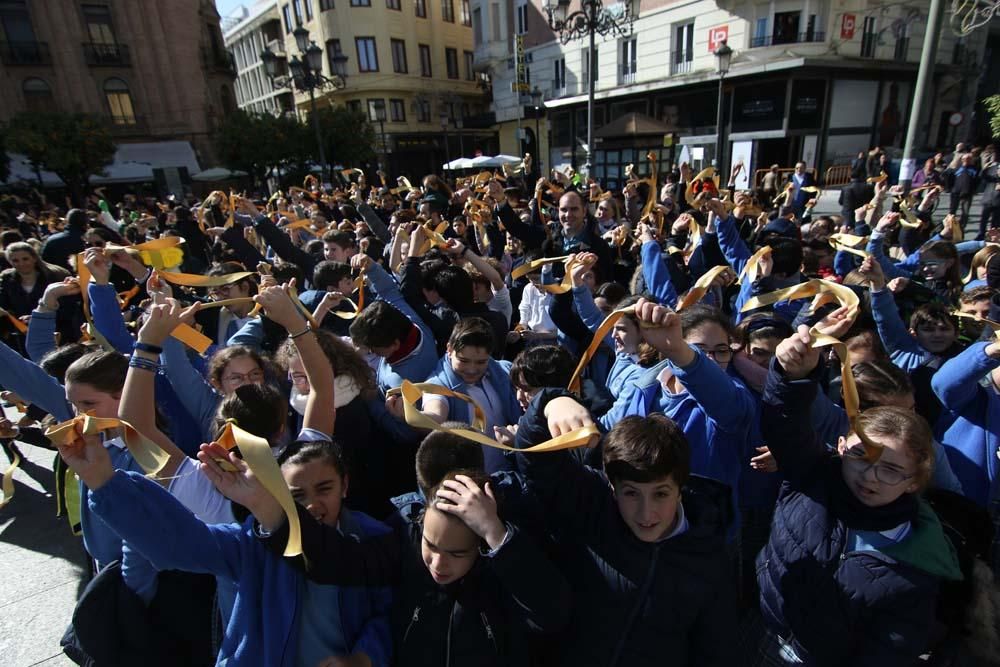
(37, 95)
(119, 102)
(227, 100)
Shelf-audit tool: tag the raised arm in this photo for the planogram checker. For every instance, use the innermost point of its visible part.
(785, 415)
(320, 413)
(40, 339)
(956, 383)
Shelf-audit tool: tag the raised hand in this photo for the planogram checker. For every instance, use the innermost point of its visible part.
(88, 458)
(163, 318)
(159, 290)
(836, 324)
(661, 328)
(796, 354)
(56, 291)
(476, 507)
(279, 307)
(872, 270)
(98, 265)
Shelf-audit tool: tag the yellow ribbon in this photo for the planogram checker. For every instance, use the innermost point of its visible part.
(824, 291)
(908, 219)
(752, 266)
(256, 453)
(8, 478)
(195, 280)
(359, 285)
(434, 237)
(700, 288)
(412, 394)
(529, 267)
(90, 331)
(847, 243)
(479, 417)
(146, 453)
(995, 326)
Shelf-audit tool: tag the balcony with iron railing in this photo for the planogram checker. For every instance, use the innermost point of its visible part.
(277, 47)
(25, 53)
(680, 62)
(626, 74)
(106, 55)
(800, 38)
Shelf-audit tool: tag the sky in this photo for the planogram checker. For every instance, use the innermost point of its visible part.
(226, 7)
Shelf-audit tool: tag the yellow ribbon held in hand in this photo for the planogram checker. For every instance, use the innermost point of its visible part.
(560, 288)
(822, 291)
(359, 286)
(752, 266)
(479, 417)
(256, 453)
(412, 394)
(849, 243)
(146, 453)
(995, 326)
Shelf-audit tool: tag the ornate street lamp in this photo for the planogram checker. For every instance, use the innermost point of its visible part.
(724, 56)
(536, 99)
(590, 20)
(305, 72)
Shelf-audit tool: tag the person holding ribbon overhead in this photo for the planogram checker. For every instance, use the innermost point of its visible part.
(853, 566)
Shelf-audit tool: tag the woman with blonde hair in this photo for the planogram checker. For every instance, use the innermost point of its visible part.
(23, 285)
(977, 270)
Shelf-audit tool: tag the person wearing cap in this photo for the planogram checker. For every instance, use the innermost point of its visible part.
(60, 246)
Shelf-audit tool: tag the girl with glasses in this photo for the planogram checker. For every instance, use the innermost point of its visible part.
(852, 569)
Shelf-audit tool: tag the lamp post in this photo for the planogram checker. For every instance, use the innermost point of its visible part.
(536, 100)
(724, 56)
(591, 19)
(445, 120)
(380, 117)
(459, 124)
(305, 72)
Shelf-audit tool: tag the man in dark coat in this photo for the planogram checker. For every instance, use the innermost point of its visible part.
(61, 245)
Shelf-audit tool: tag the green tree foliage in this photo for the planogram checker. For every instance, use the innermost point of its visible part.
(259, 143)
(73, 146)
(349, 137)
(992, 104)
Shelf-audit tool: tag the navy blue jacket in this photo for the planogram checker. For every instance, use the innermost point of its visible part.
(637, 603)
(484, 619)
(833, 605)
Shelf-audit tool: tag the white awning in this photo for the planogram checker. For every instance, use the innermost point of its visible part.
(21, 172)
(134, 163)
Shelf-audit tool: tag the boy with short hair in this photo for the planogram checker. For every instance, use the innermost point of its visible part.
(975, 302)
(468, 368)
(645, 541)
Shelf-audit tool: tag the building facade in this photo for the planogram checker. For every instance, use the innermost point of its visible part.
(410, 63)
(246, 40)
(154, 70)
(809, 80)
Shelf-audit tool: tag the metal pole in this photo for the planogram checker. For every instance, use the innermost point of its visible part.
(315, 123)
(461, 142)
(925, 76)
(385, 154)
(718, 132)
(538, 143)
(592, 77)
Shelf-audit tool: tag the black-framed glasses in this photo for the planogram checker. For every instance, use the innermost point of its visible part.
(721, 353)
(856, 457)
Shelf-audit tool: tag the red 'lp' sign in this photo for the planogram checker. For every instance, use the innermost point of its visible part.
(847, 24)
(716, 36)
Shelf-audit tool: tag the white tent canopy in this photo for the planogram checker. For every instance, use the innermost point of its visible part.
(459, 163)
(133, 163)
(218, 174)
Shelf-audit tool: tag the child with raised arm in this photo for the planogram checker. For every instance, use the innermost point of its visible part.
(851, 572)
(471, 588)
(645, 541)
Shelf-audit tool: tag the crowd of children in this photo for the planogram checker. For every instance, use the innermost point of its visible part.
(515, 421)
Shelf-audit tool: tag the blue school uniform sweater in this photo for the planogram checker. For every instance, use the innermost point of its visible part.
(264, 626)
(969, 427)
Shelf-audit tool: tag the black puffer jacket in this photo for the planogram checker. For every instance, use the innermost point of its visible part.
(485, 619)
(636, 603)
